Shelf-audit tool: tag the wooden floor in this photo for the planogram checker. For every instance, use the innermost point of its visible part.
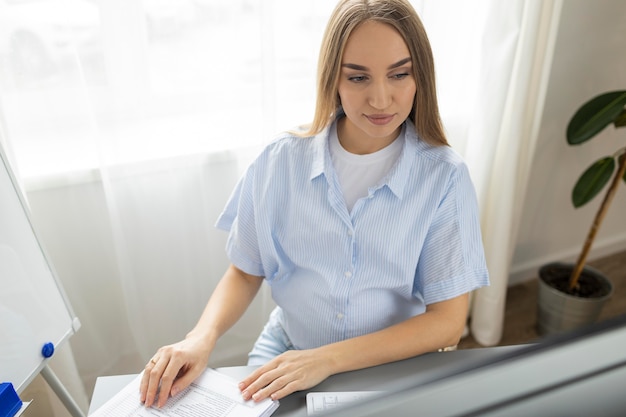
(521, 303)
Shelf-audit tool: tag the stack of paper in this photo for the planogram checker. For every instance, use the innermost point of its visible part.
(213, 394)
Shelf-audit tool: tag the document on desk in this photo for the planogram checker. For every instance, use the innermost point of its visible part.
(325, 402)
(212, 394)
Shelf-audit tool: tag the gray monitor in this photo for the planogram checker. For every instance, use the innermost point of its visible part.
(582, 372)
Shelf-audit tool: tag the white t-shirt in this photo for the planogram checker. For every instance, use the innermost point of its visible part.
(357, 173)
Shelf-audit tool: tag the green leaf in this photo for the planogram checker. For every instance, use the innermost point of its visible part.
(595, 115)
(592, 181)
(620, 121)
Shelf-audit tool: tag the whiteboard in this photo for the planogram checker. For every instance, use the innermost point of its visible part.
(34, 310)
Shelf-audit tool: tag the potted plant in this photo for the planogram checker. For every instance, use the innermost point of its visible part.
(572, 295)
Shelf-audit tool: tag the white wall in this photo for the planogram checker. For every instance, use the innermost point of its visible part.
(590, 58)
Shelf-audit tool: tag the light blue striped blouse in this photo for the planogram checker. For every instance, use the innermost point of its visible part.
(414, 240)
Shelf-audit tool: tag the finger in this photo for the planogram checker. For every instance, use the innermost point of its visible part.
(143, 385)
(290, 388)
(264, 380)
(170, 374)
(145, 380)
(255, 375)
(155, 370)
(280, 387)
(185, 379)
(167, 379)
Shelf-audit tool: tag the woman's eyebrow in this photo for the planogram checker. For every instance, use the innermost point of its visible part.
(362, 68)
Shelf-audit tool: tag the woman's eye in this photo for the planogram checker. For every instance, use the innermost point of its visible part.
(400, 76)
(357, 78)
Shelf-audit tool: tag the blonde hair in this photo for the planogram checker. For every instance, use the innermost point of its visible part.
(349, 14)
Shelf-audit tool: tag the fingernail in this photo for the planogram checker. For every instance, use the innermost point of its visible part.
(241, 385)
(174, 391)
(256, 396)
(245, 395)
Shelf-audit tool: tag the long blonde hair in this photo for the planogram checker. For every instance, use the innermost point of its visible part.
(349, 14)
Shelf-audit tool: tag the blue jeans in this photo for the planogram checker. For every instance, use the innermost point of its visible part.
(272, 342)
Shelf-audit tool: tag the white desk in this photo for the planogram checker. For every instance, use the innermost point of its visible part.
(383, 377)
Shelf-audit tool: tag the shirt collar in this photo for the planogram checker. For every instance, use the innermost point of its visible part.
(399, 174)
(321, 153)
(397, 178)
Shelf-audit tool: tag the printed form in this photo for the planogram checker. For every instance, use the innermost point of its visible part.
(212, 394)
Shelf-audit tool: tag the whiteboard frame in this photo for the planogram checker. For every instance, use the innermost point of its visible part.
(75, 326)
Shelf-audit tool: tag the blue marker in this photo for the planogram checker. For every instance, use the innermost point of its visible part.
(47, 350)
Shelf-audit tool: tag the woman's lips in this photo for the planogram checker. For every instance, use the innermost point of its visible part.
(380, 119)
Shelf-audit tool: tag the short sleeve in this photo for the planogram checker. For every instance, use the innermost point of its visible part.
(452, 261)
(238, 218)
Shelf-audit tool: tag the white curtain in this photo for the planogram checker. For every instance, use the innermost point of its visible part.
(493, 61)
(128, 145)
(518, 42)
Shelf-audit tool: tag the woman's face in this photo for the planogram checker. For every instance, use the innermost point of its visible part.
(376, 87)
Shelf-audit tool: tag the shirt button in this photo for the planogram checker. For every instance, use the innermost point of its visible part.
(350, 233)
(340, 316)
(348, 274)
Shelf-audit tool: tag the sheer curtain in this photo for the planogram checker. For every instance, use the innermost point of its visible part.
(492, 76)
(517, 98)
(130, 121)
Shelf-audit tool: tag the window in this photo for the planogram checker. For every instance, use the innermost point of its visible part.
(91, 82)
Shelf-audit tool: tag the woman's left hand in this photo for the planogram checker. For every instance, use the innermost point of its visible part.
(294, 370)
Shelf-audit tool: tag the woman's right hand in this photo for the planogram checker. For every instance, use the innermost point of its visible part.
(172, 369)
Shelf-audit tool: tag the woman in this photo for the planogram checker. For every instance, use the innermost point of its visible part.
(365, 226)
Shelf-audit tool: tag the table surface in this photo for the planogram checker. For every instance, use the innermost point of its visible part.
(390, 376)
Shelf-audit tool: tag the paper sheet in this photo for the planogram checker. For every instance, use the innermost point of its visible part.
(211, 395)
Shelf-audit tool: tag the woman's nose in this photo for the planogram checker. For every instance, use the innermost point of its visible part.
(380, 95)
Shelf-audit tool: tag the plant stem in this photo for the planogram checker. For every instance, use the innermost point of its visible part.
(610, 193)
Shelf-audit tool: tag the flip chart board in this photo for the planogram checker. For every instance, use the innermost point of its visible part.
(35, 315)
